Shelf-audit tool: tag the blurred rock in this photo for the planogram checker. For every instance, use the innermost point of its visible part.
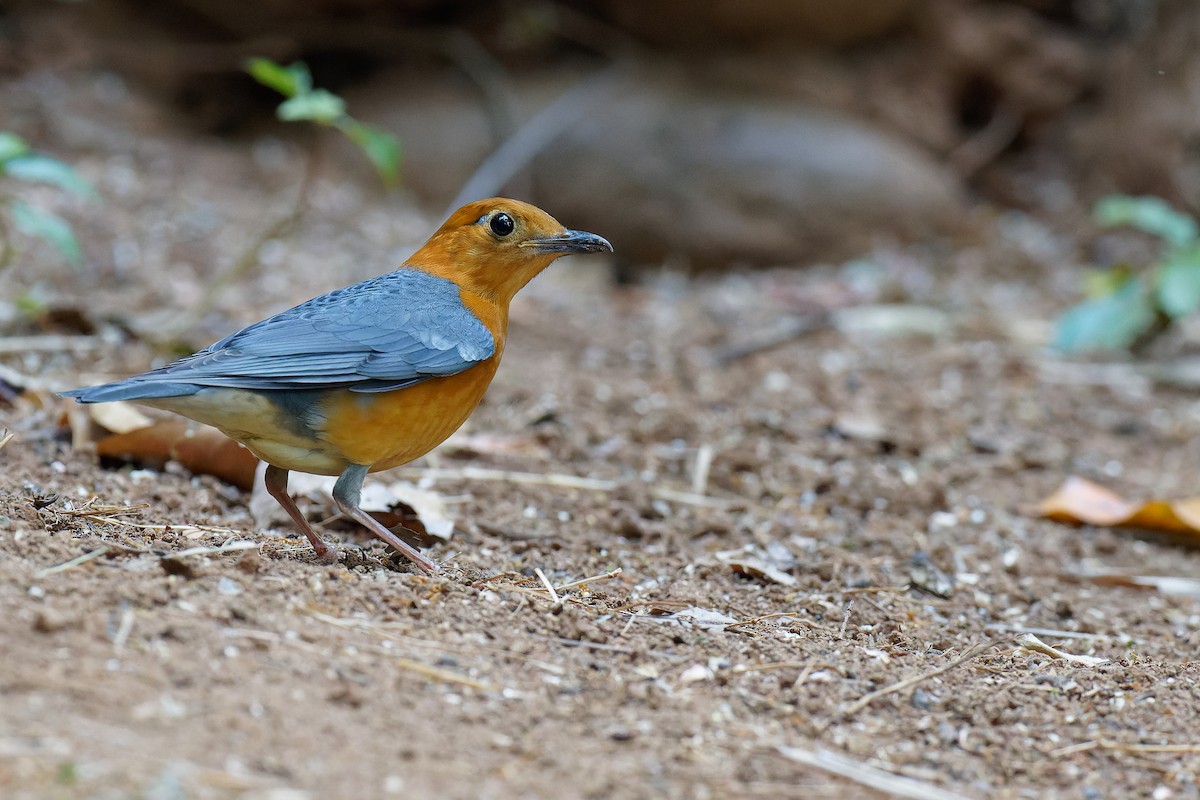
(666, 168)
(817, 21)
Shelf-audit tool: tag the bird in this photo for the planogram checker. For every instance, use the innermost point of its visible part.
(370, 376)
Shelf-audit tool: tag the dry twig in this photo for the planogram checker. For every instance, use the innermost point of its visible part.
(533, 478)
(792, 329)
(560, 481)
(1031, 642)
(1057, 633)
(864, 774)
(112, 516)
(691, 498)
(602, 577)
(89, 510)
(549, 586)
(91, 555)
(123, 630)
(519, 150)
(740, 668)
(424, 670)
(1122, 747)
(49, 343)
(704, 459)
(227, 547)
(907, 683)
(803, 676)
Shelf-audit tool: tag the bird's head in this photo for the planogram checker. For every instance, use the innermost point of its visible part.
(494, 247)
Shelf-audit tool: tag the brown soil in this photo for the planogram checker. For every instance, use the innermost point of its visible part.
(838, 457)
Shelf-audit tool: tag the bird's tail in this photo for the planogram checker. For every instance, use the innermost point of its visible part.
(132, 390)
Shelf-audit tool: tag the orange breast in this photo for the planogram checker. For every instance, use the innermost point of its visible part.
(388, 429)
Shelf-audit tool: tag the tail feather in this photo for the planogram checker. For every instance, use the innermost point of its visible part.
(132, 390)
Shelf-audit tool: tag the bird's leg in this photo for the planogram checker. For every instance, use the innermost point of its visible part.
(276, 481)
(346, 493)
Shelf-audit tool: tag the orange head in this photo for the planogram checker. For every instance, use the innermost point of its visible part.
(494, 247)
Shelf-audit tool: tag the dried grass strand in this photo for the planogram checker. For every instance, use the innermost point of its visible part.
(864, 774)
(91, 555)
(1123, 747)
(909, 682)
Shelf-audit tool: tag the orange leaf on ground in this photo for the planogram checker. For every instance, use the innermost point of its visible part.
(199, 448)
(1079, 500)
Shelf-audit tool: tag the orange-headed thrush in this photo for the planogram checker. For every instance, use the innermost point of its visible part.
(371, 376)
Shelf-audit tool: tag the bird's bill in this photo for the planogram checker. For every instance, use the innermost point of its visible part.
(570, 242)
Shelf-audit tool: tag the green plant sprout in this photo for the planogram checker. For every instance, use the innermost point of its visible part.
(325, 108)
(1123, 306)
(20, 162)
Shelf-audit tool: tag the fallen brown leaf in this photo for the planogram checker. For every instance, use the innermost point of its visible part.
(755, 562)
(1079, 500)
(1163, 584)
(201, 449)
(119, 417)
(399, 503)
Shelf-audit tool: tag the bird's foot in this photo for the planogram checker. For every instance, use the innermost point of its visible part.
(326, 554)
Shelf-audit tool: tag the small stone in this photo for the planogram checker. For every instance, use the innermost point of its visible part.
(923, 700)
(695, 673)
(50, 620)
(228, 587)
(348, 694)
(178, 566)
(620, 733)
(251, 561)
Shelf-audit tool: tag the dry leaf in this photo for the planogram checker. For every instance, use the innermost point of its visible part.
(1163, 584)
(695, 673)
(886, 321)
(861, 425)
(491, 444)
(1080, 500)
(924, 574)
(428, 506)
(201, 449)
(755, 562)
(1031, 642)
(119, 417)
(398, 503)
(705, 618)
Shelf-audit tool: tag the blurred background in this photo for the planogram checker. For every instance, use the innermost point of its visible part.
(767, 132)
(817, 388)
(696, 137)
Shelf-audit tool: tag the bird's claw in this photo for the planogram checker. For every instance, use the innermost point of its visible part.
(326, 554)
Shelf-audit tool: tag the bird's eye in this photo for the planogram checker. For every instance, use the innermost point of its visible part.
(502, 224)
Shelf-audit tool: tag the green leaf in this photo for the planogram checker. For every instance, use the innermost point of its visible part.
(1104, 323)
(38, 168)
(54, 229)
(317, 105)
(381, 147)
(1103, 282)
(11, 146)
(68, 773)
(1179, 282)
(288, 81)
(31, 305)
(1150, 214)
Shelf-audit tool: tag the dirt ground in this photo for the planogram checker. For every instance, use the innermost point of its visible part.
(752, 518)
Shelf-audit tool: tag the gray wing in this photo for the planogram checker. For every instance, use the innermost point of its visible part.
(384, 333)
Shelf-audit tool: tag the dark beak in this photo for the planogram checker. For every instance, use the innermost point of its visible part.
(570, 242)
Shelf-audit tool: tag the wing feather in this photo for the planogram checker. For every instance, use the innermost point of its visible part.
(383, 333)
